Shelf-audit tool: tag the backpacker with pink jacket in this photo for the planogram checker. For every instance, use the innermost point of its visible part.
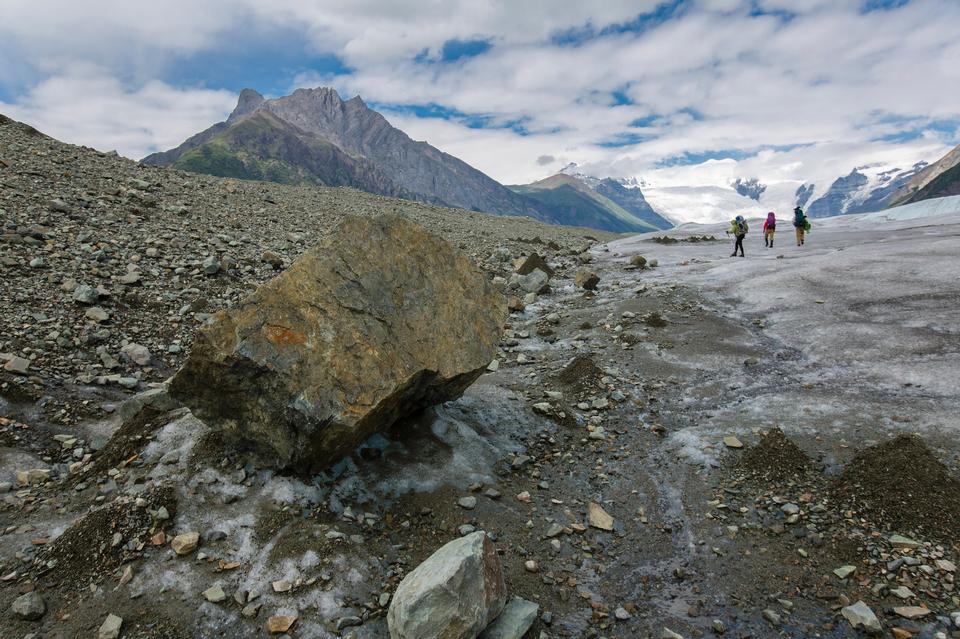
(771, 223)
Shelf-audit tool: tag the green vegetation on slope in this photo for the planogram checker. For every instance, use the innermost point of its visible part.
(575, 207)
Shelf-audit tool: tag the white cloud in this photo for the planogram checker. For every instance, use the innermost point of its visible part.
(717, 77)
(87, 106)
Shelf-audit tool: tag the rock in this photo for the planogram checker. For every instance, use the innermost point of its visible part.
(844, 571)
(514, 622)
(899, 541)
(18, 365)
(621, 614)
(638, 261)
(348, 622)
(666, 633)
(157, 398)
(902, 592)
(130, 278)
(214, 594)
(790, 509)
(515, 304)
(586, 280)
(534, 282)
(211, 265)
(273, 259)
(29, 606)
(280, 623)
(598, 517)
(33, 476)
(378, 322)
(732, 442)
(97, 314)
(110, 628)
(534, 261)
(468, 503)
(771, 616)
(137, 353)
(911, 612)
(860, 616)
(186, 543)
(85, 294)
(454, 594)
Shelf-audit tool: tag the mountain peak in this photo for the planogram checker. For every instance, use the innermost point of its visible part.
(248, 102)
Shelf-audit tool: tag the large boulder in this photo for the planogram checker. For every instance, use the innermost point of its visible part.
(379, 321)
(454, 594)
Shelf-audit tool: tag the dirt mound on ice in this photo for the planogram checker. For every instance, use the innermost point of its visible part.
(101, 541)
(901, 485)
(581, 374)
(774, 458)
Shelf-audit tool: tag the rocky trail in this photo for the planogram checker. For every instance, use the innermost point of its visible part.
(659, 448)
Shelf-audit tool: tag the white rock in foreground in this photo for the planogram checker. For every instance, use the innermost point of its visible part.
(860, 615)
(454, 594)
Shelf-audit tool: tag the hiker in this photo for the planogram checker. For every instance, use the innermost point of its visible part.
(738, 227)
(801, 224)
(769, 228)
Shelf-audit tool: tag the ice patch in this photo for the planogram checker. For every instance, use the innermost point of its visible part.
(693, 446)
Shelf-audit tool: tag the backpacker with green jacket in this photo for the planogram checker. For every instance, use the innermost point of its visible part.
(738, 226)
(799, 219)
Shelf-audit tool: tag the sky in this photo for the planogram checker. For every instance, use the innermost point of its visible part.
(679, 94)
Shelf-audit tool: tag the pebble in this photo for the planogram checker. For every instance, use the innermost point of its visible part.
(186, 543)
(468, 503)
(598, 517)
(110, 628)
(732, 442)
(280, 623)
(29, 606)
(214, 594)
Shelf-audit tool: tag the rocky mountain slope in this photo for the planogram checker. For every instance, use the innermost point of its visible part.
(598, 203)
(940, 179)
(98, 252)
(314, 137)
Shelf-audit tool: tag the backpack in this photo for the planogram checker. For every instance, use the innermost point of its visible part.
(806, 224)
(799, 219)
(742, 227)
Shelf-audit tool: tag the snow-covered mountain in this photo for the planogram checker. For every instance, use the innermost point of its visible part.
(864, 190)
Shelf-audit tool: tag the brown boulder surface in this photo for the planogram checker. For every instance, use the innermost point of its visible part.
(380, 320)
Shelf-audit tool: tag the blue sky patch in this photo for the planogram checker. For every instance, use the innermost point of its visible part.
(664, 12)
(625, 139)
(454, 50)
(882, 5)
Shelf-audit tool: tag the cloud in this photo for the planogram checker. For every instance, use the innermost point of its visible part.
(85, 105)
(783, 90)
